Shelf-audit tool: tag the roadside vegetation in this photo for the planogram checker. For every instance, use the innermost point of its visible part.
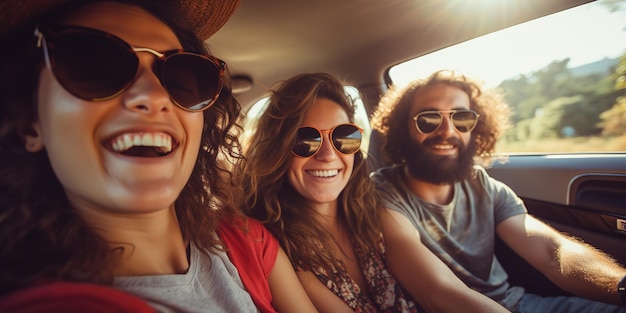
(558, 109)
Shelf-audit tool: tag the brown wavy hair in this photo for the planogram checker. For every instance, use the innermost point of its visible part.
(392, 114)
(270, 198)
(41, 236)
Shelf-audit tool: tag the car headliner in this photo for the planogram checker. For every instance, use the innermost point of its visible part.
(355, 40)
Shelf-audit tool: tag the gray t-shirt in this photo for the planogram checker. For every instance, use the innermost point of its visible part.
(462, 233)
(212, 284)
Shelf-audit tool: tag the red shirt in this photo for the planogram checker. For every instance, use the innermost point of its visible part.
(253, 253)
(73, 297)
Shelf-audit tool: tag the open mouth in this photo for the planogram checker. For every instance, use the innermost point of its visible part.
(445, 146)
(323, 173)
(147, 145)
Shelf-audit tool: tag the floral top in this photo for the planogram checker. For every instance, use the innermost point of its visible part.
(388, 294)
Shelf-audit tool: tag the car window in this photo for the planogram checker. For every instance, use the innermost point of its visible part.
(360, 118)
(564, 76)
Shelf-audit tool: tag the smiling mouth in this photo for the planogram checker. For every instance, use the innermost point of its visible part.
(443, 146)
(148, 145)
(323, 173)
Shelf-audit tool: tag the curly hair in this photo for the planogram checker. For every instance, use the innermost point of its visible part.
(392, 114)
(270, 198)
(42, 236)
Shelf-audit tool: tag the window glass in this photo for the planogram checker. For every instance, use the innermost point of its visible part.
(360, 116)
(564, 76)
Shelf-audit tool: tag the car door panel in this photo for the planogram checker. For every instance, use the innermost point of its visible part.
(581, 195)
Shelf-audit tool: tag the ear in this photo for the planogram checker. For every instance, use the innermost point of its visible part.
(32, 139)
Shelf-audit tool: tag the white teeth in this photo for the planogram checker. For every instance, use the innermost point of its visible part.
(324, 173)
(159, 140)
(442, 147)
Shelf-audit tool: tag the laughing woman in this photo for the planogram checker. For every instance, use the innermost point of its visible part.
(113, 117)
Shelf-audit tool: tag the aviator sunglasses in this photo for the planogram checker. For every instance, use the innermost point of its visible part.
(345, 138)
(95, 66)
(429, 121)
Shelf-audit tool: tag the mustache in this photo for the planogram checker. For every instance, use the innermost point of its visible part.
(440, 139)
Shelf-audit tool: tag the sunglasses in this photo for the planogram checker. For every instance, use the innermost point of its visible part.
(429, 121)
(345, 138)
(95, 66)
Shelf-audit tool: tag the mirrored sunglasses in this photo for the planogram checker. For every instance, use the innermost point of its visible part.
(464, 121)
(345, 138)
(95, 66)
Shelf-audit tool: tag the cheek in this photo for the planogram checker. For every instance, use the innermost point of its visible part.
(67, 128)
(63, 118)
(414, 136)
(45, 94)
(413, 132)
(195, 119)
(193, 123)
(348, 161)
(296, 176)
(294, 172)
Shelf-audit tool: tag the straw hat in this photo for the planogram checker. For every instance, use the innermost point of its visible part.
(205, 16)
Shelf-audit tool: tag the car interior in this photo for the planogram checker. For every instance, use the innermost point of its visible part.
(581, 193)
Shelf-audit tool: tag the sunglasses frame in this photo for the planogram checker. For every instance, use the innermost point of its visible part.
(330, 136)
(161, 58)
(442, 115)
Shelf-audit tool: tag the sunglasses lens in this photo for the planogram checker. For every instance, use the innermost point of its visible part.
(347, 139)
(308, 141)
(193, 81)
(90, 65)
(464, 121)
(428, 122)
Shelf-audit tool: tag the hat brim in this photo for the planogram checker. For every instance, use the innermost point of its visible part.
(205, 16)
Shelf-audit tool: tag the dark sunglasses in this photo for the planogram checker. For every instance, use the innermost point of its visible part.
(345, 138)
(95, 66)
(429, 121)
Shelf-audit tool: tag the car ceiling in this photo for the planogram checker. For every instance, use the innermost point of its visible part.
(355, 40)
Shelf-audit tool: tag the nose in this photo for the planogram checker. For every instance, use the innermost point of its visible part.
(326, 153)
(146, 94)
(446, 126)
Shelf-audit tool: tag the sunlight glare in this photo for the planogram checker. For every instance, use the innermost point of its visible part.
(584, 34)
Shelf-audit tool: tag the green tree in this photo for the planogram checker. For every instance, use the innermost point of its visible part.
(613, 120)
(551, 102)
(527, 94)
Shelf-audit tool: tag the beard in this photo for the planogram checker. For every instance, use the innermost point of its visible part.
(426, 166)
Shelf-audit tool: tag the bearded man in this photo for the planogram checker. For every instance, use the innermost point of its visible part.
(440, 132)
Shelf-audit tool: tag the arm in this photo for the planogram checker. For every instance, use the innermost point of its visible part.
(570, 264)
(324, 299)
(287, 292)
(424, 275)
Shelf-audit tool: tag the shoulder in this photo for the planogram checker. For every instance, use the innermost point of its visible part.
(244, 228)
(491, 184)
(386, 175)
(505, 202)
(253, 251)
(481, 177)
(257, 233)
(387, 171)
(480, 173)
(248, 244)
